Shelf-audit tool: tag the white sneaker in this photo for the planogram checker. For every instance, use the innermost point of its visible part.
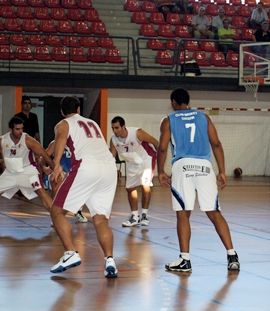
(131, 221)
(69, 260)
(110, 268)
(144, 220)
(81, 217)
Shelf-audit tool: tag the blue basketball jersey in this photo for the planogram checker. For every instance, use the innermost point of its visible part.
(189, 135)
(65, 160)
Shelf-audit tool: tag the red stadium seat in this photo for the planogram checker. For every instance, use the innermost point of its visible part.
(41, 13)
(166, 31)
(235, 2)
(164, 58)
(69, 4)
(113, 56)
(208, 46)
(4, 39)
(236, 34)
(6, 52)
(4, 2)
(47, 25)
(7, 11)
(171, 44)
(139, 18)
(155, 45)
(42, 53)
(218, 59)
(91, 15)
(148, 30)
(220, 2)
(85, 4)
(75, 14)
(12, 24)
(212, 9)
(60, 54)
(244, 11)
(250, 60)
(132, 5)
(65, 26)
(182, 31)
(35, 40)
(23, 52)
(18, 39)
(251, 3)
(82, 27)
(36, 3)
(233, 59)
(229, 10)
(173, 19)
(24, 12)
(196, 6)
(30, 25)
(54, 40)
(106, 43)
(78, 55)
(95, 55)
(239, 21)
(184, 57)
(192, 46)
(88, 42)
(148, 6)
(205, 1)
(52, 3)
(247, 34)
(19, 2)
(58, 14)
(201, 58)
(187, 19)
(157, 18)
(71, 41)
(99, 28)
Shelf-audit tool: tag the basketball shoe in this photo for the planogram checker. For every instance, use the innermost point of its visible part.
(233, 262)
(110, 268)
(81, 216)
(69, 260)
(131, 221)
(144, 220)
(180, 265)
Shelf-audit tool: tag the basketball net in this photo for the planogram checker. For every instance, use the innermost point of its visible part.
(252, 84)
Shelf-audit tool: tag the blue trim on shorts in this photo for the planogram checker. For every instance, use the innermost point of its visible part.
(217, 204)
(178, 198)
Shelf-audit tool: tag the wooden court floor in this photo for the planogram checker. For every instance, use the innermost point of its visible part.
(29, 247)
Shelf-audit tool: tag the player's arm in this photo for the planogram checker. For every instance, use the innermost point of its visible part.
(143, 136)
(218, 152)
(165, 135)
(2, 162)
(36, 147)
(113, 149)
(61, 134)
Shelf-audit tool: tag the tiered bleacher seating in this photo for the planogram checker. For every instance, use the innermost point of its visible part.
(164, 58)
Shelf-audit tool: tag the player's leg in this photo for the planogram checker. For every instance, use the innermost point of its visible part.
(45, 198)
(146, 196)
(134, 218)
(104, 234)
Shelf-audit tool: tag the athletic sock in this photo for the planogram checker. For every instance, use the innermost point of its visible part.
(144, 211)
(185, 256)
(231, 252)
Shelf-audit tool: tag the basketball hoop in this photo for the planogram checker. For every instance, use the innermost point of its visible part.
(251, 84)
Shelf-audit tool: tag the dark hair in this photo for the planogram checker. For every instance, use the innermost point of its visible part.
(226, 19)
(14, 120)
(118, 119)
(69, 104)
(180, 95)
(24, 98)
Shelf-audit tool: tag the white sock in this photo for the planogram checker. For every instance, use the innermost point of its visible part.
(185, 256)
(144, 211)
(135, 213)
(231, 251)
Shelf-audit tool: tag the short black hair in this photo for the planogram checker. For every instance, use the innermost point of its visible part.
(69, 104)
(180, 95)
(118, 119)
(14, 120)
(24, 98)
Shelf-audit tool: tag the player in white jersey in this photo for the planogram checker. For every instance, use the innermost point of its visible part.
(191, 133)
(18, 150)
(92, 181)
(132, 144)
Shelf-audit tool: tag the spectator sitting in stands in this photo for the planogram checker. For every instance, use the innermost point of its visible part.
(262, 35)
(166, 6)
(258, 16)
(217, 22)
(226, 36)
(201, 25)
(185, 6)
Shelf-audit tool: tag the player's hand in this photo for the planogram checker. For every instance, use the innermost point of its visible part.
(221, 181)
(57, 173)
(47, 170)
(164, 180)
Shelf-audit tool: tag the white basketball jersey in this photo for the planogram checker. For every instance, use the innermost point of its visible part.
(85, 140)
(16, 156)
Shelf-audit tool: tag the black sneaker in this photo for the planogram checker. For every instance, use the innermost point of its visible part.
(233, 262)
(181, 265)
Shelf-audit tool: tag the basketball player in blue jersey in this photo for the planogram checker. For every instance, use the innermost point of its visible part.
(191, 133)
